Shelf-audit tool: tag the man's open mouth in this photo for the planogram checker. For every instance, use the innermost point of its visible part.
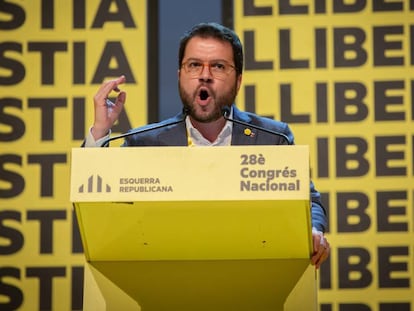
(204, 94)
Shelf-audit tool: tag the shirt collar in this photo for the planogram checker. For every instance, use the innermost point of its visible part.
(196, 139)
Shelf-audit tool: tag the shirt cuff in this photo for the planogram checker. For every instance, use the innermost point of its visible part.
(91, 142)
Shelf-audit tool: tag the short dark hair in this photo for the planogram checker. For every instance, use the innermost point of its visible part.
(217, 31)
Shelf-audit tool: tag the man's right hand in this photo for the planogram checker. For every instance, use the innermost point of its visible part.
(106, 115)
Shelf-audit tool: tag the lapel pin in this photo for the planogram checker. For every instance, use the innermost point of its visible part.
(248, 132)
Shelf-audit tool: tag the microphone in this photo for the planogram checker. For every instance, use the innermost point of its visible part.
(226, 112)
(145, 129)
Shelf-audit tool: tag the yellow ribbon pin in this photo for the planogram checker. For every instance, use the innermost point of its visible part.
(247, 132)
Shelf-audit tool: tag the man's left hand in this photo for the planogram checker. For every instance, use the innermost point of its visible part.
(321, 248)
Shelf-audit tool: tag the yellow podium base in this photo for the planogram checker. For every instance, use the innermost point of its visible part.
(242, 285)
(237, 236)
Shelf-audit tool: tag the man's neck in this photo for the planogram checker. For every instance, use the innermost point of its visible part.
(210, 130)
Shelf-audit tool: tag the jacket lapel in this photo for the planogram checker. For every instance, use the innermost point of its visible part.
(176, 135)
(242, 135)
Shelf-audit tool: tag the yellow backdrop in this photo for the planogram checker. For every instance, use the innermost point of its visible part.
(54, 55)
(341, 74)
(342, 69)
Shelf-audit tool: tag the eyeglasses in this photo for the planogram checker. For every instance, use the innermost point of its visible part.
(218, 69)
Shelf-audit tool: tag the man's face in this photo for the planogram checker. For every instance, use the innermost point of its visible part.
(206, 92)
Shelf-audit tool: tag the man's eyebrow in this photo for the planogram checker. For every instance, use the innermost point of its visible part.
(210, 61)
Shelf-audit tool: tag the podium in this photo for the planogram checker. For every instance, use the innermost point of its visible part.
(181, 228)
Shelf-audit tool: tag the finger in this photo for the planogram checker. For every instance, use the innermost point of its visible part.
(321, 255)
(119, 103)
(117, 82)
(107, 87)
(120, 99)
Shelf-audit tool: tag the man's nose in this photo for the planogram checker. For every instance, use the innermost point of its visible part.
(206, 72)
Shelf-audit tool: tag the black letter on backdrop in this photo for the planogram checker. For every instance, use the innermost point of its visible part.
(353, 307)
(77, 247)
(348, 162)
(386, 6)
(412, 96)
(412, 43)
(113, 50)
(47, 107)
(386, 210)
(104, 14)
(382, 99)
(249, 54)
(17, 12)
(47, 51)
(323, 157)
(340, 7)
(341, 47)
(15, 237)
(286, 62)
(286, 8)
(48, 14)
(384, 156)
(15, 123)
(250, 9)
(321, 103)
(17, 69)
(13, 293)
(387, 267)
(46, 219)
(250, 98)
(79, 66)
(45, 276)
(325, 280)
(320, 48)
(351, 206)
(78, 124)
(359, 93)
(79, 14)
(382, 47)
(394, 306)
(346, 267)
(17, 181)
(46, 162)
(77, 288)
(286, 109)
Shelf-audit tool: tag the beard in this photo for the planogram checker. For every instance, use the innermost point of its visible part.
(219, 102)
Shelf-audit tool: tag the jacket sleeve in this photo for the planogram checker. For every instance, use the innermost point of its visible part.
(318, 212)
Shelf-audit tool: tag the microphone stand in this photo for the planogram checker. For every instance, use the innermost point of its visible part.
(143, 130)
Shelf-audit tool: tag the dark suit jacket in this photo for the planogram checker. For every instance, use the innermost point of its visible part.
(176, 135)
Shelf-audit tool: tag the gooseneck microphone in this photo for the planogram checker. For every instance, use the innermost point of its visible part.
(226, 113)
(145, 129)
